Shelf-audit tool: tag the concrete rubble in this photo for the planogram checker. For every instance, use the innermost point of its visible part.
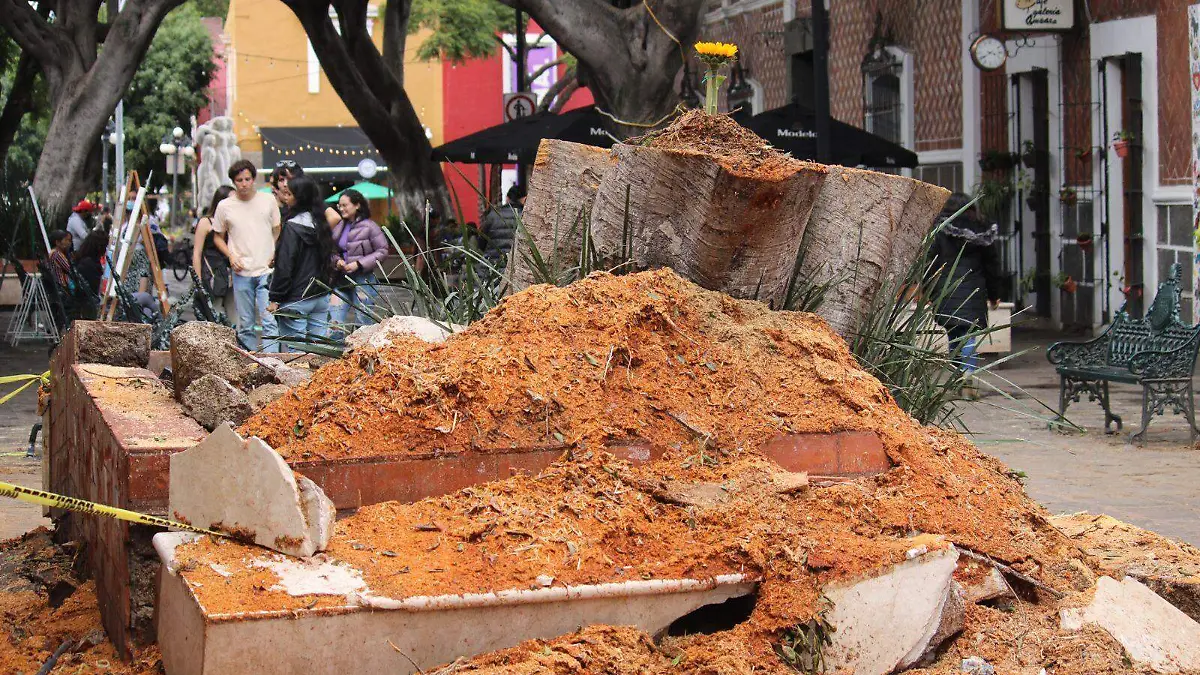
(894, 620)
(383, 333)
(262, 395)
(1154, 633)
(245, 488)
(212, 401)
(199, 348)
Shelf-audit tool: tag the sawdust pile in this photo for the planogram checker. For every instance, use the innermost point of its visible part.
(639, 358)
(42, 607)
(733, 146)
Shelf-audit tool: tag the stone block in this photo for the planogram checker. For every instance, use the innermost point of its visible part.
(263, 395)
(211, 401)
(394, 327)
(199, 348)
(245, 488)
(111, 343)
(892, 620)
(1154, 633)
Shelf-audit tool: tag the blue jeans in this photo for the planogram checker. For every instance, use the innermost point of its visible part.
(303, 318)
(968, 357)
(365, 295)
(250, 295)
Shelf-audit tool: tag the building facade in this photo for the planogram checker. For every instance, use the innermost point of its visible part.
(1087, 229)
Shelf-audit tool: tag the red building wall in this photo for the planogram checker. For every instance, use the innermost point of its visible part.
(216, 90)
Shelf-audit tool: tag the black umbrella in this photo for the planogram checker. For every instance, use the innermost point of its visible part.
(517, 141)
(792, 129)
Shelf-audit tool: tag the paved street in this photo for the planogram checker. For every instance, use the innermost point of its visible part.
(1153, 486)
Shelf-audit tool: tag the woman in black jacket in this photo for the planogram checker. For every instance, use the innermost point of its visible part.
(90, 260)
(304, 263)
(965, 276)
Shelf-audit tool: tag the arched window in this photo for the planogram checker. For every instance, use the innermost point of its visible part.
(887, 94)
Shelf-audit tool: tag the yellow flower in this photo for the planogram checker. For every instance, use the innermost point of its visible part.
(721, 49)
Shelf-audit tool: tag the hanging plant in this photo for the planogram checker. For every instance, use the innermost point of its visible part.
(715, 55)
(997, 160)
(1068, 196)
(1121, 141)
(1028, 154)
(1084, 154)
(1084, 239)
(1065, 282)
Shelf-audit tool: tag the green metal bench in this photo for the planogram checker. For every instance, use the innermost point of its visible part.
(1157, 352)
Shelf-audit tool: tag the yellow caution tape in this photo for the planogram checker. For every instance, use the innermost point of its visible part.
(43, 498)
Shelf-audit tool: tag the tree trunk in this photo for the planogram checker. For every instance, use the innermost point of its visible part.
(625, 57)
(62, 167)
(20, 101)
(372, 90)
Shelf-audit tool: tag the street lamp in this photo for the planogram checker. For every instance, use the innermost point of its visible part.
(109, 136)
(177, 147)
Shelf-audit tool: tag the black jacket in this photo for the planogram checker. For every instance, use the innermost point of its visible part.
(500, 226)
(965, 271)
(92, 272)
(298, 261)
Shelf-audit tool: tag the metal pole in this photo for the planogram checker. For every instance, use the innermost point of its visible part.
(104, 166)
(175, 187)
(820, 24)
(119, 156)
(522, 84)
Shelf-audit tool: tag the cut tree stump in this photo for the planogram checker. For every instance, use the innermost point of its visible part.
(728, 227)
(558, 206)
(727, 231)
(866, 228)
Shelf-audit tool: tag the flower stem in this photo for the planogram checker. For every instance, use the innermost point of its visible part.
(710, 93)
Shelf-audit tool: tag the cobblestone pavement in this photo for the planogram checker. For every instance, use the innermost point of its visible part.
(1153, 485)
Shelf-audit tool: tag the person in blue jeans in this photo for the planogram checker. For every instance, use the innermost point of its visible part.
(304, 264)
(361, 246)
(245, 226)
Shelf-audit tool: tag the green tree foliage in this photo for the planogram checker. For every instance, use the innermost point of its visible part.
(461, 29)
(170, 86)
(211, 7)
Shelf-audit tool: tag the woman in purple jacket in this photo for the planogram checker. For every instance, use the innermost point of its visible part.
(361, 247)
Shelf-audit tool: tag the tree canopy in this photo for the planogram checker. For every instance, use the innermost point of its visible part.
(460, 29)
(169, 87)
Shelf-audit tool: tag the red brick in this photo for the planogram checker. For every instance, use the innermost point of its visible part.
(848, 453)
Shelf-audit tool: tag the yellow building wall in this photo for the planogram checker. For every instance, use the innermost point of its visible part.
(268, 67)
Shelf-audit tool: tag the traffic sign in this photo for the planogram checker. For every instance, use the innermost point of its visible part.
(518, 105)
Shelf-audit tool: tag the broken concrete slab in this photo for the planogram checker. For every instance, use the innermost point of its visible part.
(365, 632)
(200, 348)
(263, 395)
(211, 401)
(981, 582)
(893, 619)
(245, 488)
(283, 373)
(1153, 633)
(112, 343)
(394, 327)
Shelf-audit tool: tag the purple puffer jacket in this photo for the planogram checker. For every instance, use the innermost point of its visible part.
(363, 243)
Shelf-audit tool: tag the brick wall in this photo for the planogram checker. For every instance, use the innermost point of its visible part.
(759, 37)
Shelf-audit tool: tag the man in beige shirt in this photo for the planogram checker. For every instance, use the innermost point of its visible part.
(245, 227)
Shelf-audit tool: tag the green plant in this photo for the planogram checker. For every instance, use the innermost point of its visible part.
(802, 646)
(1027, 281)
(1068, 196)
(993, 197)
(1123, 135)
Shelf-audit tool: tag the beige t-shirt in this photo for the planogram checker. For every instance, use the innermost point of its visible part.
(250, 227)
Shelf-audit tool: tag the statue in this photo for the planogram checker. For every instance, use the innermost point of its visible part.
(218, 151)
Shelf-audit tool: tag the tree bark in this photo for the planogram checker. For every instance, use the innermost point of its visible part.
(85, 78)
(627, 60)
(20, 101)
(372, 88)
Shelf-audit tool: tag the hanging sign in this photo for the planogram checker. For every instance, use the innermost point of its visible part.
(1036, 16)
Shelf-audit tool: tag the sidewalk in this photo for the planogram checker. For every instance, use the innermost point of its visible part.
(1152, 485)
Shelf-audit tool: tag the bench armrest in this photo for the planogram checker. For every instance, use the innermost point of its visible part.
(1092, 352)
(1166, 364)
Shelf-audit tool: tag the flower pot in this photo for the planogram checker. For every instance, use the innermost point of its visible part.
(1029, 158)
(1121, 148)
(1068, 199)
(1070, 286)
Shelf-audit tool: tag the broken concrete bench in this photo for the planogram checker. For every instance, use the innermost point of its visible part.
(321, 611)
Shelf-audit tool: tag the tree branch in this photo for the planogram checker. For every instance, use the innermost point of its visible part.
(584, 28)
(512, 53)
(30, 30)
(395, 35)
(563, 98)
(20, 101)
(546, 66)
(557, 88)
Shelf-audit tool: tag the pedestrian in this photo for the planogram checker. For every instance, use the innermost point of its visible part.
(245, 226)
(91, 260)
(500, 226)
(304, 263)
(60, 260)
(285, 170)
(208, 260)
(77, 224)
(361, 247)
(965, 276)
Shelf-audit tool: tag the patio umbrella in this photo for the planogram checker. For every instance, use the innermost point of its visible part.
(792, 128)
(368, 190)
(517, 141)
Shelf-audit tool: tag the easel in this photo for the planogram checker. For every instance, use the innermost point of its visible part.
(138, 229)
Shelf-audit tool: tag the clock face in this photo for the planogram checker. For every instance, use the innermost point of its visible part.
(989, 53)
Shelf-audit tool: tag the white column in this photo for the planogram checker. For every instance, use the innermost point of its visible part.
(1194, 50)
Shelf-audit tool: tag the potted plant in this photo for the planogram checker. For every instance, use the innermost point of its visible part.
(1065, 282)
(1083, 154)
(1028, 154)
(1121, 141)
(996, 160)
(1084, 239)
(1068, 196)
(994, 197)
